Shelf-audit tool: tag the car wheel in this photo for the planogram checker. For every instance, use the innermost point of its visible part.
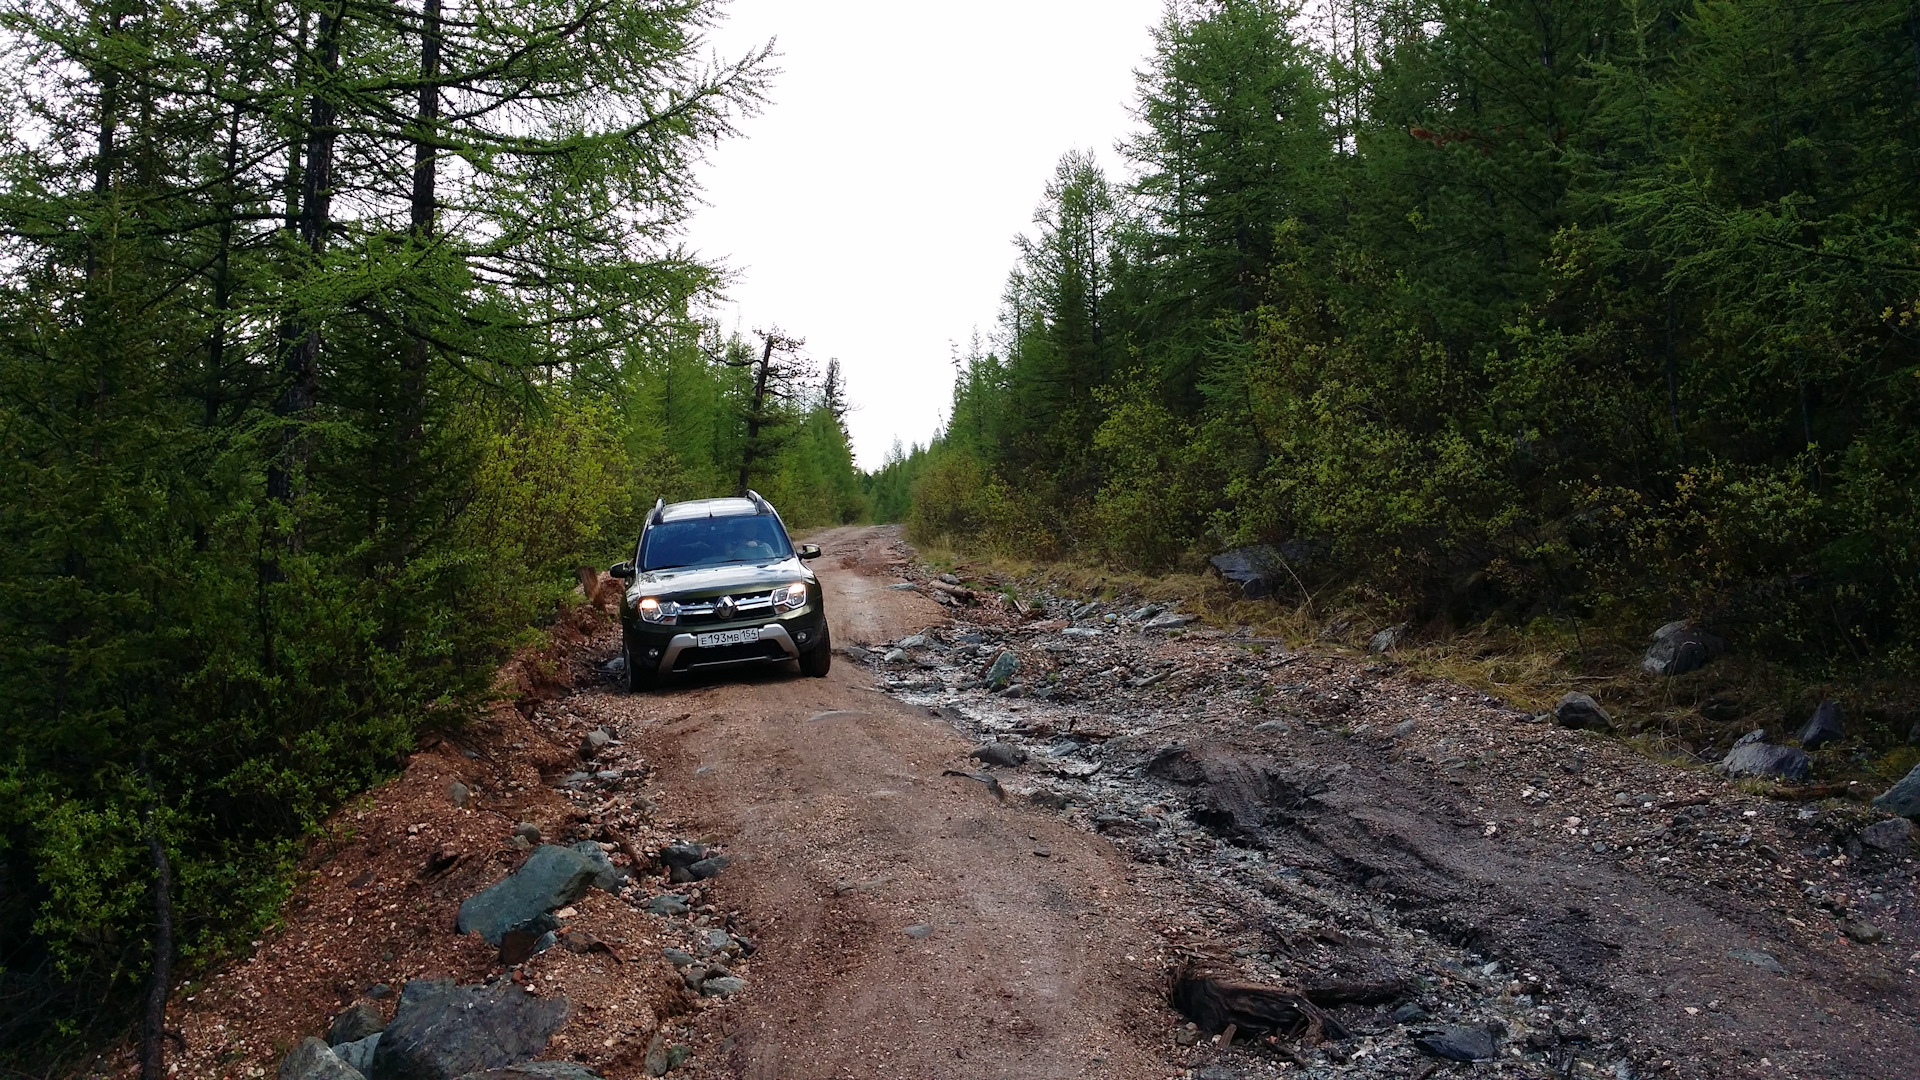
(818, 660)
(638, 680)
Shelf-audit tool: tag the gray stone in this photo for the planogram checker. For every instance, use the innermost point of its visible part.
(1404, 728)
(667, 904)
(894, 656)
(1765, 759)
(1170, 622)
(1003, 669)
(1145, 613)
(458, 795)
(1256, 571)
(359, 1053)
(1086, 609)
(678, 957)
(683, 854)
(723, 986)
(527, 831)
(313, 1060)
(551, 877)
(916, 641)
(714, 940)
(443, 1031)
(949, 579)
(594, 742)
(708, 867)
(1827, 724)
(1081, 632)
(1459, 1043)
(1004, 755)
(537, 1070)
(575, 779)
(1893, 836)
(1762, 960)
(902, 586)
(1410, 1013)
(355, 1024)
(606, 876)
(1863, 932)
(1578, 710)
(1902, 798)
(918, 931)
(1680, 647)
(1387, 640)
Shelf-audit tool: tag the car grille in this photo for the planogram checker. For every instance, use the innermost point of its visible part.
(729, 654)
(694, 612)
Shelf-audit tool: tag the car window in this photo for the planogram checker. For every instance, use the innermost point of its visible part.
(713, 541)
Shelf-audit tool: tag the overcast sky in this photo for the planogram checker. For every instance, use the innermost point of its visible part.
(871, 208)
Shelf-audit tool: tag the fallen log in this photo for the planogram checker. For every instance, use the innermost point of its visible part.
(958, 592)
(1215, 1004)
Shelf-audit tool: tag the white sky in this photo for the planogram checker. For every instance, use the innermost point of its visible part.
(871, 208)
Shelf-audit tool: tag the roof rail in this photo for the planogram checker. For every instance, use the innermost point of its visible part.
(659, 509)
(764, 506)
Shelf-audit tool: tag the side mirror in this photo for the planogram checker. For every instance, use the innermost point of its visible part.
(809, 551)
(623, 571)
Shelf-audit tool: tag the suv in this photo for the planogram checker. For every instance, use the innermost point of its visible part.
(717, 582)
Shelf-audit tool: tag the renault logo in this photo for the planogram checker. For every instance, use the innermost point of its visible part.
(724, 609)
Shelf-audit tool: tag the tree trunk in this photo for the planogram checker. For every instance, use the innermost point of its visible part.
(418, 356)
(754, 412)
(153, 1021)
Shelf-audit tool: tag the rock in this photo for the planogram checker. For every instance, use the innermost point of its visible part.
(1047, 797)
(443, 1031)
(355, 1024)
(1893, 836)
(709, 867)
(894, 656)
(1410, 1013)
(723, 986)
(1387, 640)
(606, 877)
(902, 586)
(1003, 669)
(594, 742)
(1827, 724)
(1085, 609)
(683, 854)
(714, 941)
(678, 957)
(949, 579)
(1170, 621)
(527, 831)
(551, 877)
(1902, 798)
(1144, 613)
(918, 931)
(916, 641)
(1577, 710)
(358, 1054)
(1459, 1043)
(1763, 960)
(667, 904)
(1081, 632)
(537, 1070)
(1755, 758)
(656, 1063)
(1256, 571)
(1680, 647)
(1405, 728)
(314, 1060)
(458, 795)
(1863, 932)
(1004, 755)
(854, 653)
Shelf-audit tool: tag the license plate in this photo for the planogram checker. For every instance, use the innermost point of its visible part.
(728, 637)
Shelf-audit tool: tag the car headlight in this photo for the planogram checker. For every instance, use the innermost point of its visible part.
(654, 610)
(791, 597)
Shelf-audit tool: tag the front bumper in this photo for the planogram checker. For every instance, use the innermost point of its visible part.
(775, 643)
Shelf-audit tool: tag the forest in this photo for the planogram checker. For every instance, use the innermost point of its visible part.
(333, 336)
(1586, 312)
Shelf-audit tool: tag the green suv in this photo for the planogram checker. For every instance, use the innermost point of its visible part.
(718, 582)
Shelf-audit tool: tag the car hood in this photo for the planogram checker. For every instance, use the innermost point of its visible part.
(693, 581)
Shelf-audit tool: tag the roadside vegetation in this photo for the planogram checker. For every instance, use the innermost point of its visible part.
(1532, 325)
(332, 338)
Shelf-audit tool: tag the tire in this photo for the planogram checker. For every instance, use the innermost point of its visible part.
(638, 681)
(817, 661)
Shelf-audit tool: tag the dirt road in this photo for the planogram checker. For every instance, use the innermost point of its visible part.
(909, 924)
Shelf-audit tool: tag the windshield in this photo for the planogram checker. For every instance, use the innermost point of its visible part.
(714, 541)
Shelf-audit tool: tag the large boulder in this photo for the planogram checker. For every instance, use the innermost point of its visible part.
(444, 1031)
(314, 1060)
(551, 877)
(1753, 757)
(358, 1053)
(1680, 647)
(1578, 710)
(537, 1070)
(1003, 669)
(1827, 724)
(1902, 798)
(1256, 571)
(606, 876)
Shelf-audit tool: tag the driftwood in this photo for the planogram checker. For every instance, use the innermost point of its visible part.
(958, 592)
(1354, 993)
(1216, 1004)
